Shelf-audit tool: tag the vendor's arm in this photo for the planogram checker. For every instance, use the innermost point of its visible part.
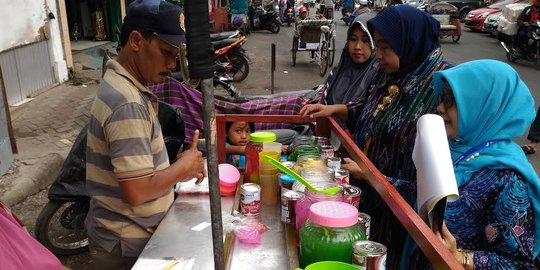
(320, 110)
(494, 221)
(190, 165)
(139, 164)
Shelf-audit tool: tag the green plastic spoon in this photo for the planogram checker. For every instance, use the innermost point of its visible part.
(285, 169)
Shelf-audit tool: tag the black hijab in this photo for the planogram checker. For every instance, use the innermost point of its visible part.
(349, 80)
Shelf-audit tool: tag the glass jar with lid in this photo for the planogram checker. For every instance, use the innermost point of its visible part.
(302, 206)
(329, 233)
(255, 145)
(309, 161)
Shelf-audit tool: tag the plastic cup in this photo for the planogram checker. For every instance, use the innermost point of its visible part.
(268, 178)
(272, 147)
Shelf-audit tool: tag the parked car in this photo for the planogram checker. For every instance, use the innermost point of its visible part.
(464, 6)
(475, 19)
(491, 23)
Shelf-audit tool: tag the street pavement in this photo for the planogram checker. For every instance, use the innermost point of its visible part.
(46, 126)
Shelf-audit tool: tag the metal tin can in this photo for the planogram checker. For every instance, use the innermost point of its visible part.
(250, 199)
(334, 163)
(322, 141)
(288, 204)
(369, 255)
(352, 195)
(342, 176)
(364, 221)
(327, 151)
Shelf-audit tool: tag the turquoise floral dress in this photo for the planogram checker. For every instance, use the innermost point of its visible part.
(492, 219)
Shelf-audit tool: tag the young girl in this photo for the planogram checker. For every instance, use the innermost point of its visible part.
(237, 139)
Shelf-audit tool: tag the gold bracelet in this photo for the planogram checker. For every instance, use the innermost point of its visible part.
(465, 262)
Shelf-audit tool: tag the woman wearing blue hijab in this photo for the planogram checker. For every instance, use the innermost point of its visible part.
(495, 222)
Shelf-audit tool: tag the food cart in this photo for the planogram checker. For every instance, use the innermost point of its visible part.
(185, 236)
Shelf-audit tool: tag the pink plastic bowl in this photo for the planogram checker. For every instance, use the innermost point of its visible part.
(228, 175)
(226, 191)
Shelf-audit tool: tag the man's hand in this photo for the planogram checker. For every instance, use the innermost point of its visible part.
(193, 161)
(526, 24)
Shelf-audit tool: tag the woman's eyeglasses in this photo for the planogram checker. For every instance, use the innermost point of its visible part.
(447, 100)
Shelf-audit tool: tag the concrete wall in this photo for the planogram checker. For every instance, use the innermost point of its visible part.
(27, 21)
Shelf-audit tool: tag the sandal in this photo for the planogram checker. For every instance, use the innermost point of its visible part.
(528, 149)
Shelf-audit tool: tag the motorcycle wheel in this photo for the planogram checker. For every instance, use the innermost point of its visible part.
(60, 227)
(240, 67)
(455, 39)
(274, 27)
(511, 57)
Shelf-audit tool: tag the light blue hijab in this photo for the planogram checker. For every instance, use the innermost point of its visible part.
(493, 104)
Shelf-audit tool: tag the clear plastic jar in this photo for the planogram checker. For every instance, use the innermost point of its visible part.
(329, 233)
(302, 206)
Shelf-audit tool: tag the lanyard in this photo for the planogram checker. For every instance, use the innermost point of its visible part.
(475, 149)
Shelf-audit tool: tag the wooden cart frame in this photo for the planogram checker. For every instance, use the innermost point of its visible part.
(432, 247)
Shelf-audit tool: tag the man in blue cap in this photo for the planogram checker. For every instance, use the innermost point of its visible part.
(128, 174)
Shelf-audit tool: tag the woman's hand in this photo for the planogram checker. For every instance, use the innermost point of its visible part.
(354, 169)
(316, 110)
(449, 241)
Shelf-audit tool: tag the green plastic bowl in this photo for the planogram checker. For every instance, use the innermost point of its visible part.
(327, 265)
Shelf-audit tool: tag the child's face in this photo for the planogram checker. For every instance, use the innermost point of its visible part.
(238, 133)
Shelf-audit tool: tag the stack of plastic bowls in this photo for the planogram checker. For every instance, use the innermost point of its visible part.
(228, 179)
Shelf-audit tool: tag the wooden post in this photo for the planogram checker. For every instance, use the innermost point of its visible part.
(8, 116)
(64, 30)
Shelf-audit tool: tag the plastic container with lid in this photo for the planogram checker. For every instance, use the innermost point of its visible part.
(255, 145)
(329, 233)
(302, 206)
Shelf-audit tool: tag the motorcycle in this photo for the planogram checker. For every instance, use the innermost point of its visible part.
(529, 52)
(264, 19)
(230, 59)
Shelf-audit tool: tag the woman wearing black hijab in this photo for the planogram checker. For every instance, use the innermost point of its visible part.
(356, 69)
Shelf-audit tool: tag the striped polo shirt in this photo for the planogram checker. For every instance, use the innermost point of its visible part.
(125, 143)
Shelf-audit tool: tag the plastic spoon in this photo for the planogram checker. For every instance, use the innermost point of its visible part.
(285, 169)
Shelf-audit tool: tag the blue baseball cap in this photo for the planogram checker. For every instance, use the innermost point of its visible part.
(166, 20)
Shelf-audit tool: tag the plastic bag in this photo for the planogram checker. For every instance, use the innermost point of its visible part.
(248, 230)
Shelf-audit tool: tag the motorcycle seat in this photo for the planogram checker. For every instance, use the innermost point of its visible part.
(223, 43)
(224, 35)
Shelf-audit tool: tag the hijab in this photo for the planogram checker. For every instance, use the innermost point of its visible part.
(349, 80)
(411, 33)
(499, 106)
